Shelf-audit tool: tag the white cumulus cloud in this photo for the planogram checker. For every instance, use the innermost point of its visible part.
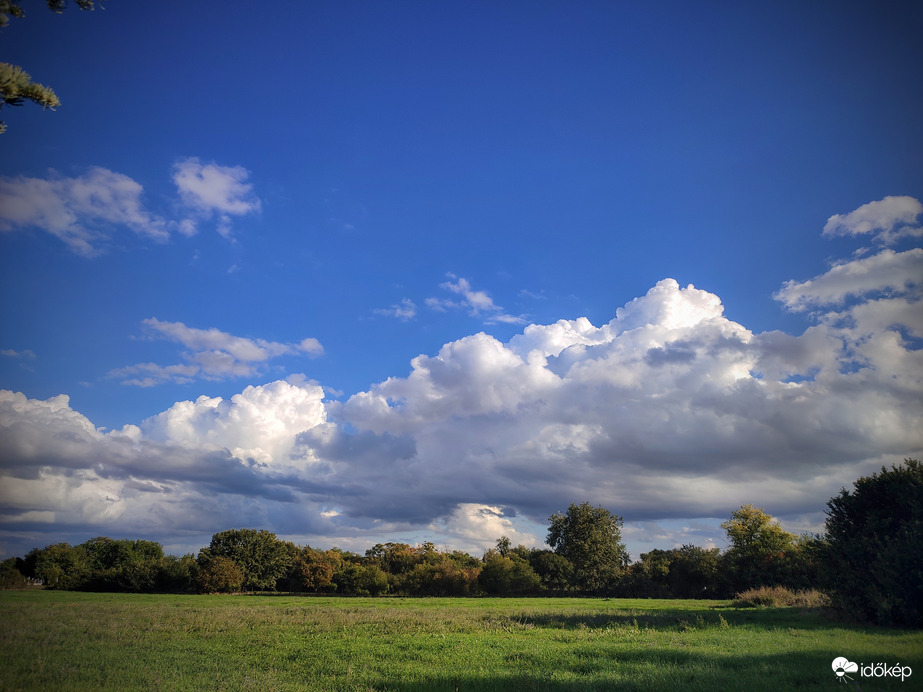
(477, 527)
(197, 467)
(260, 423)
(669, 414)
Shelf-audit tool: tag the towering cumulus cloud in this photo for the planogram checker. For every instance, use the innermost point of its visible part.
(669, 410)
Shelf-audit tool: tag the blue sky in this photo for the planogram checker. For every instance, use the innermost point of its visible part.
(289, 206)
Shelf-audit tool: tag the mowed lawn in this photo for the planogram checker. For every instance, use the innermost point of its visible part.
(78, 641)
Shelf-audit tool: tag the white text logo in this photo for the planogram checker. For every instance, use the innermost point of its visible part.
(843, 666)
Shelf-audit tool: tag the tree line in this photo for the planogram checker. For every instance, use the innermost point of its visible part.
(586, 557)
(870, 560)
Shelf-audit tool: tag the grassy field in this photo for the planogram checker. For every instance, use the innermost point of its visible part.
(77, 641)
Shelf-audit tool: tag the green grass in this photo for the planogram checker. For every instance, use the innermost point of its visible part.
(77, 641)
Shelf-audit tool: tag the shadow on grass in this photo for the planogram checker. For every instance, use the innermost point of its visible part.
(670, 670)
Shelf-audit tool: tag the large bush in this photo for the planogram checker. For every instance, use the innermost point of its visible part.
(874, 561)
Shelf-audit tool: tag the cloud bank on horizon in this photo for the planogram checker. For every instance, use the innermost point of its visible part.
(669, 411)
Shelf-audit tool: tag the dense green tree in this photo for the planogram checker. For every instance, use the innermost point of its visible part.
(464, 560)
(427, 552)
(590, 538)
(650, 576)
(16, 86)
(445, 577)
(177, 574)
(555, 571)
(106, 564)
(394, 558)
(11, 573)
(108, 553)
(758, 548)
(802, 563)
(423, 570)
(507, 575)
(360, 580)
(62, 566)
(874, 561)
(123, 564)
(218, 574)
(695, 573)
(686, 572)
(261, 557)
(312, 570)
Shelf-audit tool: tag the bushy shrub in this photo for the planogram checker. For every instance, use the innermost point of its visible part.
(11, 576)
(779, 596)
(874, 559)
(177, 574)
(444, 578)
(360, 580)
(61, 566)
(507, 576)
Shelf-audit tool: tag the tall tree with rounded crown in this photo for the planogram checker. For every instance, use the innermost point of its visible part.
(591, 539)
(262, 558)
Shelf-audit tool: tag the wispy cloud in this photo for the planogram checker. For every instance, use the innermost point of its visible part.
(83, 212)
(12, 353)
(24, 357)
(476, 303)
(86, 211)
(210, 189)
(212, 354)
(886, 272)
(404, 311)
(887, 220)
